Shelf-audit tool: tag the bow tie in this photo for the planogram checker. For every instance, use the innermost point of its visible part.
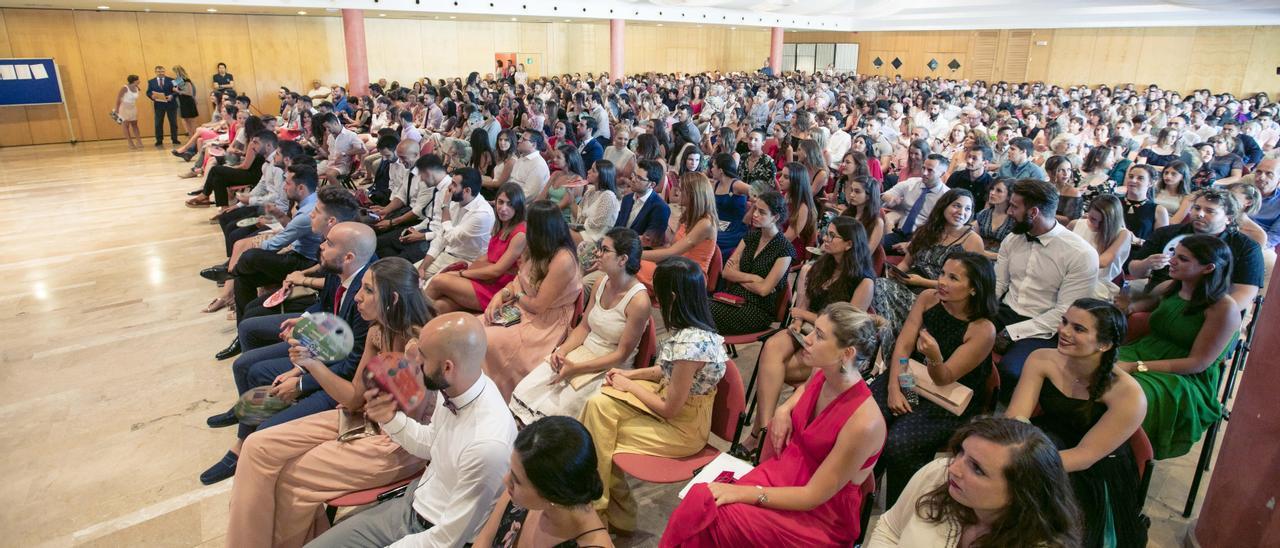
(448, 404)
(1034, 240)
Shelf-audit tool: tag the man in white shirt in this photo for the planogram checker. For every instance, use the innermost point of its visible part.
(416, 241)
(342, 148)
(413, 189)
(530, 170)
(933, 120)
(603, 129)
(1042, 268)
(465, 228)
(468, 445)
(910, 202)
(838, 143)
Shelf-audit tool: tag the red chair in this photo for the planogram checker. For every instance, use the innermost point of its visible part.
(579, 308)
(714, 269)
(877, 261)
(992, 388)
(1145, 456)
(868, 489)
(648, 347)
(729, 404)
(1139, 326)
(367, 496)
(784, 304)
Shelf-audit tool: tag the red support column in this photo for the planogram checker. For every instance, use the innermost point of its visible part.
(775, 51)
(617, 48)
(1240, 506)
(357, 57)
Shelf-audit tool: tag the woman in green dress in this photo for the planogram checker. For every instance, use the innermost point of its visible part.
(1192, 328)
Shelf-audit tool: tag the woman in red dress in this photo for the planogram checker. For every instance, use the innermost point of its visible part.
(824, 443)
(472, 288)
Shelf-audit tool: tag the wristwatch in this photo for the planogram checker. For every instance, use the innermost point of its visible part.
(763, 498)
(1142, 367)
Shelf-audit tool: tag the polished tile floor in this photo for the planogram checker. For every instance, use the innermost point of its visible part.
(107, 369)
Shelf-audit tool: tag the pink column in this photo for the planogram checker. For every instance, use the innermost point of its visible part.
(1239, 508)
(357, 57)
(775, 51)
(617, 47)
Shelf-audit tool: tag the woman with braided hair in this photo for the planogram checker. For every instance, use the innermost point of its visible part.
(1090, 408)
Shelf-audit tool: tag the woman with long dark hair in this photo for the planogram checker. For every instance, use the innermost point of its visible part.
(665, 409)
(802, 225)
(732, 200)
(599, 207)
(567, 175)
(1089, 409)
(862, 199)
(474, 286)
(756, 270)
(842, 273)
(278, 498)
(482, 157)
(823, 444)
(950, 331)
(1004, 486)
(549, 490)
(1103, 227)
(543, 296)
(1179, 362)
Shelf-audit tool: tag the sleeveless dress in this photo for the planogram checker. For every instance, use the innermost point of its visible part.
(129, 106)
(1108, 490)
(535, 398)
(1104, 288)
(1179, 407)
(992, 235)
(915, 437)
(1140, 219)
(701, 254)
(698, 522)
(485, 290)
(555, 195)
(731, 209)
(516, 349)
(893, 299)
(758, 312)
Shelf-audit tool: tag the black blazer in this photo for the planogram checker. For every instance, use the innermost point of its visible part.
(346, 367)
(654, 214)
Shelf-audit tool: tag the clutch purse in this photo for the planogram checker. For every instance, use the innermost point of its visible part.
(728, 298)
(954, 397)
(353, 426)
(508, 315)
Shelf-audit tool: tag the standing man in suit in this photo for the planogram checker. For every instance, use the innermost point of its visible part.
(164, 98)
(344, 256)
(643, 209)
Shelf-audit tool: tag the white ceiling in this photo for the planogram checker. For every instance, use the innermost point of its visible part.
(843, 15)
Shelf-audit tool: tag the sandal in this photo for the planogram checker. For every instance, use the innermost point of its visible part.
(216, 305)
(199, 201)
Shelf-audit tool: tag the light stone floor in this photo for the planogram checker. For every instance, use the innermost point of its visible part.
(99, 296)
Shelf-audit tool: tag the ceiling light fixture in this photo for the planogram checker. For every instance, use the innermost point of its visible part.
(453, 17)
(212, 10)
(514, 19)
(104, 7)
(302, 13)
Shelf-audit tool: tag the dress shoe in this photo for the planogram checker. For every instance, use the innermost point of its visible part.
(187, 156)
(231, 350)
(159, 145)
(223, 420)
(216, 273)
(223, 469)
(175, 152)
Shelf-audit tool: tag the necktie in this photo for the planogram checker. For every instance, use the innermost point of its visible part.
(909, 224)
(337, 301)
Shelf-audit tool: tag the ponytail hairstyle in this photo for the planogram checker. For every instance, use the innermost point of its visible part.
(853, 328)
(1110, 326)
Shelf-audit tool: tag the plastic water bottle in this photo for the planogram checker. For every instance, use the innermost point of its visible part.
(907, 383)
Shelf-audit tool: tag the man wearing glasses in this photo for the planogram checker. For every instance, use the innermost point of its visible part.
(530, 170)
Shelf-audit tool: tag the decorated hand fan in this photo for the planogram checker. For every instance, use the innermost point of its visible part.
(247, 222)
(392, 373)
(278, 297)
(327, 336)
(258, 405)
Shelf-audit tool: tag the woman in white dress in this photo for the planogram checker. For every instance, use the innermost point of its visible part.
(127, 111)
(1103, 227)
(596, 213)
(608, 337)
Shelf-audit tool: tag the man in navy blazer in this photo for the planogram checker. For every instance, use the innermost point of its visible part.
(164, 97)
(650, 219)
(345, 255)
(590, 149)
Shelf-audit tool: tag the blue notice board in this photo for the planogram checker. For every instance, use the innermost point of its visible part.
(29, 82)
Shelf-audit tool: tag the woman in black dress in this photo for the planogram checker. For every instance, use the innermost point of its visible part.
(186, 99)
(1142, 214)
(1090, 409)
(950, 331)
(756, 270)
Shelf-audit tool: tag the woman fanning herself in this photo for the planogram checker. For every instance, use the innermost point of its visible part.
(1005, 486)
(287, 472)
(756, 270)
(608, 337)
(841, 274)
(696, 236)
(544, 291)
(947, 230)
(549, 491)
(473, 287)
(824, 442)
(663, 410)
(1090, 410)
(1192, 327)
(950, 331)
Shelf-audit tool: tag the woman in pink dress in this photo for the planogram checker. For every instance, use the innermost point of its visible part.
(827, 438)
(545, 292)
(472, 288)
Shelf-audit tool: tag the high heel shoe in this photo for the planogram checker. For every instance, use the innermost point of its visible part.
(216, 305)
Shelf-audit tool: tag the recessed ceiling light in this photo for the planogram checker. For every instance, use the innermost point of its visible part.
(453, 17)
(568, 20)
(514, 19)
(382, 15)
(104, 7)
(659, 24)
(212, 10)
(302, 13)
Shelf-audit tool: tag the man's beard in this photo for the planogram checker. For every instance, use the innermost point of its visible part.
(1020, 227)
(456, 197)
(435, 382)
(328, 268)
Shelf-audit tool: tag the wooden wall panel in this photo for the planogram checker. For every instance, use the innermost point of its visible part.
(400, 59)
(166, 41)
(1116, 54)
(438, 57)
(225, 39)
(1260, 72)
(982, 59)
(1038, 60)
(322, 49)
(1218, 58)
(1163, 57)
(51, 33)
(276, 61)
(14, 129)
(1072, 55)
(109, 42)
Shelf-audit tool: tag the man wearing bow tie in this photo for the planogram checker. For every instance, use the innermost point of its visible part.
(164, 98)
(1042, 268)
(468, 444)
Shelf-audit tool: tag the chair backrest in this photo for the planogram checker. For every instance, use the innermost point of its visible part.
(648, 346)
(713, 270)
(730, 402)
(992, 388)
(1143, 453)
(784, 304)
(877, 261)
(579, 308)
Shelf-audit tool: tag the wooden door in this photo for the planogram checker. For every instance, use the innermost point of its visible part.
(532, 64)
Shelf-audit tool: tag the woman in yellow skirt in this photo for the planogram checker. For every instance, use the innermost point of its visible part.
(664, 410)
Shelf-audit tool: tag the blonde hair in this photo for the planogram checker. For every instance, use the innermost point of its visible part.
(181, 72)
(853, 328)
(700, 199)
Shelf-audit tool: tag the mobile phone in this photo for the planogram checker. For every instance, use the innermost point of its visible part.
(894, 271)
